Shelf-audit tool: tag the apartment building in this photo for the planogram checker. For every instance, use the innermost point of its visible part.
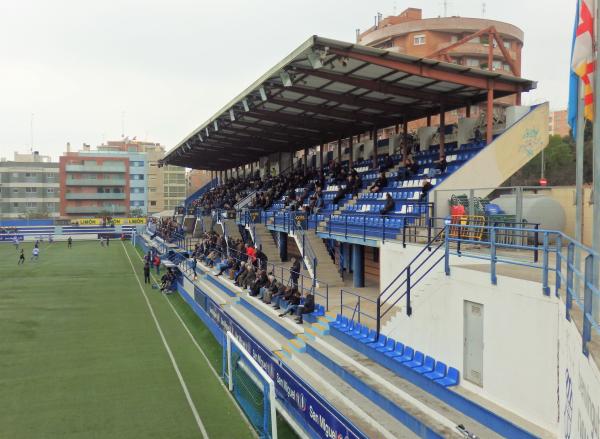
(29, 186)
(93, 185)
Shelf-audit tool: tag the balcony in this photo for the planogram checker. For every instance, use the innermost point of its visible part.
(112, 167)
(95, 209)
(95, 196)
(95, 182)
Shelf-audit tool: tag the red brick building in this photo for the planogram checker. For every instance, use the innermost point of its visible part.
(411, 34)
(92, 185)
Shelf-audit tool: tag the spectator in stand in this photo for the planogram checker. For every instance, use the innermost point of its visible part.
(379, 184)
(261, 281)
(341, 193)
(389, 205)
(441, 164)
(239, 272)
(224, 265)
(306, 308)
(293, 303)
(427, 186)
(387, 164)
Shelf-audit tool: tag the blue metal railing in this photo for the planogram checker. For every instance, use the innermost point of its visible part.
(570, 276)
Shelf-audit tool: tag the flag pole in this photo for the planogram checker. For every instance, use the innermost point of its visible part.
(579, 140)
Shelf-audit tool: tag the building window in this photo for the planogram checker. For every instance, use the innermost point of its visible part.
(30, 204)
(152, 203)
(15, 204)
(506, 44)
(472, 62)
(497, 65)
(30, 190)
(419, 40)
(51, 190)
(453, 39)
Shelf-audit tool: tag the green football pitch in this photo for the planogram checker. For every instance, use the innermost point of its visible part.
(87, 350)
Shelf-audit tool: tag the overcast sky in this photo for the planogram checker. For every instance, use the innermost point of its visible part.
(79, 65)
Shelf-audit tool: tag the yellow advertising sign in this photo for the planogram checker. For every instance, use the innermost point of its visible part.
(86, 222)
(115, 221)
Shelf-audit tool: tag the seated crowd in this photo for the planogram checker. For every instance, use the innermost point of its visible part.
(248, 267)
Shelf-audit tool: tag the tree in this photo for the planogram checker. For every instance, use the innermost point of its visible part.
(560, 161)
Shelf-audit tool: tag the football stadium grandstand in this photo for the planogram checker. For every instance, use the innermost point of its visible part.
(329, 281)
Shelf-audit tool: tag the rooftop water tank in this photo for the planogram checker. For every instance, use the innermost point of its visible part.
(536, 209)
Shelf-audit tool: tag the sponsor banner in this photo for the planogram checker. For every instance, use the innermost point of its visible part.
(316, 412)
(112, 221)
(87, 221)
(122, 221)
(11, 238)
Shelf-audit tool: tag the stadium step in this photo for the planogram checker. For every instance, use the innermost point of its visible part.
(388, 390)
(327, 271)
(265, 239)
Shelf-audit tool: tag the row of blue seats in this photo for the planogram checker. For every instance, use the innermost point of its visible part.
(427, 366)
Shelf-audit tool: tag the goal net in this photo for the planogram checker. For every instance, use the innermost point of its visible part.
(251, 387)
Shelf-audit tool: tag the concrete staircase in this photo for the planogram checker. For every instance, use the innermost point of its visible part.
(265, 239)
(327, 271)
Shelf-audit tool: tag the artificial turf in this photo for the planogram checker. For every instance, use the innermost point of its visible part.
(81, 357)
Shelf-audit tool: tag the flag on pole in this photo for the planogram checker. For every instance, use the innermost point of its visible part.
(583, 63)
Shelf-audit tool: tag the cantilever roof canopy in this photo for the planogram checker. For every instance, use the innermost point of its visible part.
(326, 90)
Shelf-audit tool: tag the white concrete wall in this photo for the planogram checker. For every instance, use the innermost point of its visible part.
(520, 332)
(579, 386)
(425, 135)
(466, 125)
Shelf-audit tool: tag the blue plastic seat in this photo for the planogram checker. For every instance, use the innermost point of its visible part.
(380, 343)
(356, 331)
(337, 322)
(406, 356)
(451, 379)
(427, 366)
(370, 338)
(397, 352)
(416, 361)
(389, 346)
(364, 333)
(438, 373)
(348, 328)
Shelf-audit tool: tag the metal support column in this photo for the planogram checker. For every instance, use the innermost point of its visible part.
(490, 113)
(305, 160)
(358, 265)
(321, 147)
(339, 150)
(405, 138)
(442, 130)
(351, 153)
(374, 135)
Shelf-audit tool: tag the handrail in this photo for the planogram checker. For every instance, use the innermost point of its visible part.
(570, 276)
(406, 285)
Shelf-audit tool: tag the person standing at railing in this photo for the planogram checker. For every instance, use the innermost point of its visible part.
(295, 272)
(261, 258)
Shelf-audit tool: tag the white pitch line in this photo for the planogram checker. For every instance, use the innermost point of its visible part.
(173, 362)
(217, 376)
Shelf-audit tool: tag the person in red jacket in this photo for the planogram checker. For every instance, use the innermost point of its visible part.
(157, 264)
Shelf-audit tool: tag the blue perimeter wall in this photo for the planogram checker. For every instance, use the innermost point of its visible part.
(317, 417)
